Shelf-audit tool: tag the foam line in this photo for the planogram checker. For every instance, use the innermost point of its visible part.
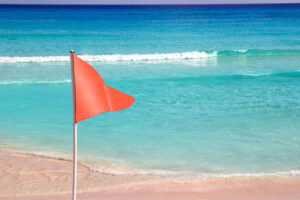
(113, 171)
(113, 57)
(150, 57)
(33, 82)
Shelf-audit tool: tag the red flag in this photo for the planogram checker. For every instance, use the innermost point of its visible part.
(91, 95)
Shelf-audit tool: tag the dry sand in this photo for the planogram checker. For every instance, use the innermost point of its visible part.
(30, 177)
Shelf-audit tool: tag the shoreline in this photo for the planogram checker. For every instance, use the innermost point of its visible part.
(116, 168)
(33, 177)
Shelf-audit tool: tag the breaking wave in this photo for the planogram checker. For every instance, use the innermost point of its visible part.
(33, 82)
(150, 57)
(113, 57)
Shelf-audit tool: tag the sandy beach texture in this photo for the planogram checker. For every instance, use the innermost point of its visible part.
(31, 177)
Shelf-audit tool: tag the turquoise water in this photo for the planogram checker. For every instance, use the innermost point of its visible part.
(216, 87)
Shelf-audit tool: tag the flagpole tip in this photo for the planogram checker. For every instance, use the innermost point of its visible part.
(71, 51)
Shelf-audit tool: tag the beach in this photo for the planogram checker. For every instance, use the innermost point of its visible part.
(216, 112)
(31, 177)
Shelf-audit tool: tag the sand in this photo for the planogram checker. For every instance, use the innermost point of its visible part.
(30, 177)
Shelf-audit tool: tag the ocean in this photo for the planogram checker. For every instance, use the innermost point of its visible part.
(217, 87)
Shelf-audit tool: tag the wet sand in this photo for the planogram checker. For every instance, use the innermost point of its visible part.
(30, 177)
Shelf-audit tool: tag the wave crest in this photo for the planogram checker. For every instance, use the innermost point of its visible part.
(113, 57)
(33, 82)
(156, 57)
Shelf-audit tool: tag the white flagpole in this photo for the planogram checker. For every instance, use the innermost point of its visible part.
(74, 130)
(74, 160)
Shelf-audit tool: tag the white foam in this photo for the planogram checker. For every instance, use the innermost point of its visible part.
(271, 174)
(256, 75)
(291, 173)
(132, 171)
(34, 59)
(113, 57)
(123, 171)
(33, 82)
(243, 50)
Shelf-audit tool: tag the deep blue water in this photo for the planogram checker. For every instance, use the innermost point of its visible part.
(217, 91)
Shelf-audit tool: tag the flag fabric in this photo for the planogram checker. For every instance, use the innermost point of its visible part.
(91, 95)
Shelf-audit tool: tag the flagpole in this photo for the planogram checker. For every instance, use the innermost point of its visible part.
(74, 160)
(74, 130)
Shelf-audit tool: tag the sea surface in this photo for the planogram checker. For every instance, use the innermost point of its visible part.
(217, 88)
